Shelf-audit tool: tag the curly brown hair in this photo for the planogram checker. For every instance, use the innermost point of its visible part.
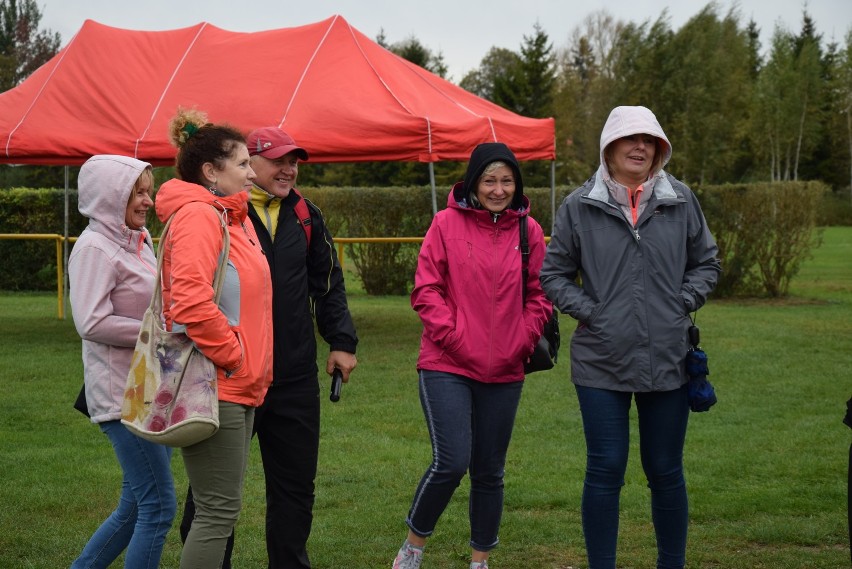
(199, 141)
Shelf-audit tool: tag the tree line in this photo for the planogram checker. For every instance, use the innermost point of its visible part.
(734, 111)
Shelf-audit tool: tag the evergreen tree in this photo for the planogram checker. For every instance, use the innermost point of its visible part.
(498, 62)
(835, 167)
(412, 50)
(754, 58)
(522, 83)
(538, 74)
(812, 73)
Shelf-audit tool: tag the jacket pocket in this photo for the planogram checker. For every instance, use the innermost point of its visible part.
(241, 367)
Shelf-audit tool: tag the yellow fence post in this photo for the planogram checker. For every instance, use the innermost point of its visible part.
(340, 255)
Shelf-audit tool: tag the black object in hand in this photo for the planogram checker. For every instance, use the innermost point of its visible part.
(694, 336)
(336, 385)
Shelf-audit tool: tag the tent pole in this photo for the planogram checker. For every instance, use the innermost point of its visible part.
(65, 252)
(434, 196)
(552, 195)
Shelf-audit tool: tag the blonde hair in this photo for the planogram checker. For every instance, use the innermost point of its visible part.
(148, 174)
(184, 124)
(492, 167)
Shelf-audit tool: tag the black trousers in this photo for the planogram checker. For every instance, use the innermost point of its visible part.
(287, 427)
(288, 432)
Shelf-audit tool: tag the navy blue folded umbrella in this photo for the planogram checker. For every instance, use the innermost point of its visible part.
(700, 391)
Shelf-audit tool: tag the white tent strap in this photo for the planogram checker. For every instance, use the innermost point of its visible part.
(305, 72)
(426, 83)
(369, 63)
(40, 91)
(168, 86)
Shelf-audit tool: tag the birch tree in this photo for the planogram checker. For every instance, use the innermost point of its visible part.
(787, 103)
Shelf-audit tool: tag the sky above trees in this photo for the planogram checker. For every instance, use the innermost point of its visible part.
(463, 32)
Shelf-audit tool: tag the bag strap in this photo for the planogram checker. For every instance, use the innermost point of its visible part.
(218, 277)
(303, 215)
(524, 247)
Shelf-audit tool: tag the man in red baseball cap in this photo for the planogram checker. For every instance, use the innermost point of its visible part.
(305, 273)
(272, 143)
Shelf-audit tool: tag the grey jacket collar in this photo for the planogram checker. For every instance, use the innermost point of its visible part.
(662, 187)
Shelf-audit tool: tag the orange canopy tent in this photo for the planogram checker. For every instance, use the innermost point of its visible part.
(338, 93)
(342, 96)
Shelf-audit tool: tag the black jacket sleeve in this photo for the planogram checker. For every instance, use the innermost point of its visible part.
(326, 288)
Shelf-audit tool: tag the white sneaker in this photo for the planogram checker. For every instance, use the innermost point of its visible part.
(479, 564)
(409, 557)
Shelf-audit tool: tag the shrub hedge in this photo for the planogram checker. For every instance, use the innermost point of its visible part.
(27, 264)
(388, 268)
(764, 230)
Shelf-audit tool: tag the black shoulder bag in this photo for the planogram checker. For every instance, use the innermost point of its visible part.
(547, 350)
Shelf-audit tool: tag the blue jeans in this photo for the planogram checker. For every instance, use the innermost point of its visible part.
(662, 430)
(470, 425)
(145, 509)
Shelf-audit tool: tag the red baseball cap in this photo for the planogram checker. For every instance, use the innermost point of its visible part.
(272, 142)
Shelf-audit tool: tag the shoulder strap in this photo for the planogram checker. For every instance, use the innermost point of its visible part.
(303, 215)
(218, 277)
(524, 246)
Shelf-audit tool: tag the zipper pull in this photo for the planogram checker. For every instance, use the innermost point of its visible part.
(243, 225)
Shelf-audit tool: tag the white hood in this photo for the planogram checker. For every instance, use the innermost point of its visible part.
(104, 185)
(626, 121)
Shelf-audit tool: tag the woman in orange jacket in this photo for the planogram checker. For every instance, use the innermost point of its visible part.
(214, 177)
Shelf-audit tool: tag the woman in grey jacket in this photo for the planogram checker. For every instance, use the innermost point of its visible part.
(630, 257)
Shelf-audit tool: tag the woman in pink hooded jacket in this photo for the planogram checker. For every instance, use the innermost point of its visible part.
(478, 330)
(112, 270)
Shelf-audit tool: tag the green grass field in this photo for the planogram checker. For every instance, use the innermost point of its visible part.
(766, 467)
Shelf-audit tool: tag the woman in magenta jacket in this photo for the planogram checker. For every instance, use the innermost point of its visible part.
(477, 333)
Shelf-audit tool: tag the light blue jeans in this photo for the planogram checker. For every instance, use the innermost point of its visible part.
(145, 509)
(470, 425)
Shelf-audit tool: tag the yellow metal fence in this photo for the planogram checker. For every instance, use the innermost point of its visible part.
(60, 265)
